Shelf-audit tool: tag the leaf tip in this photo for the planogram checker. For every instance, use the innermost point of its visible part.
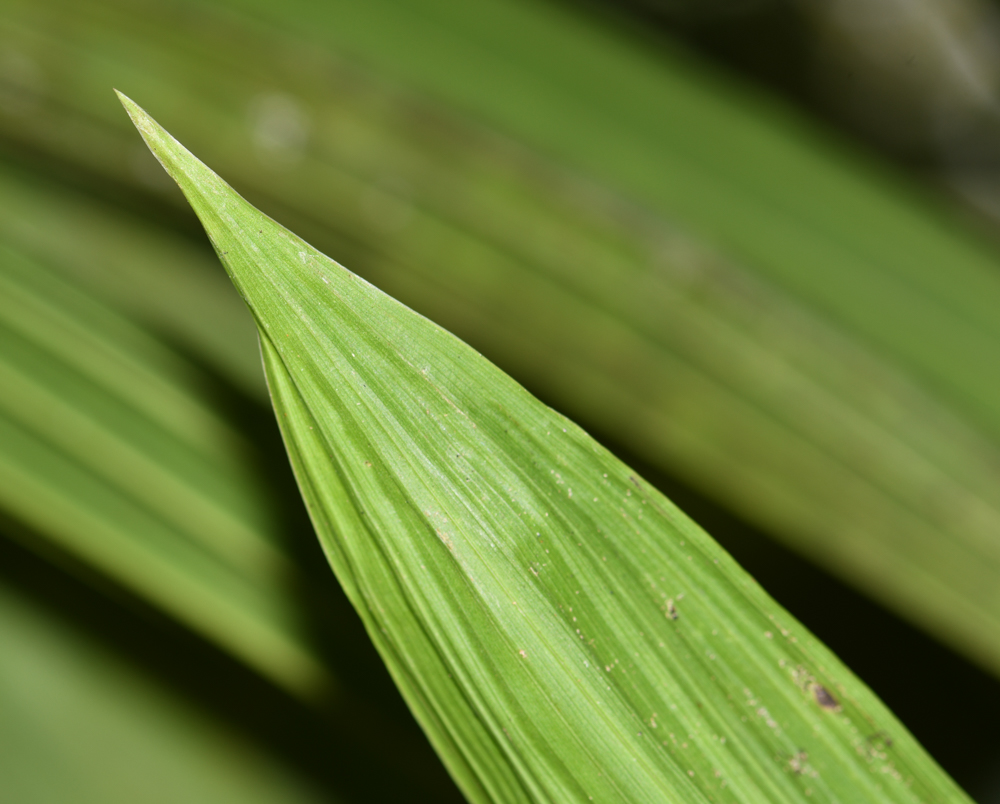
(138, 115)
(178, 161)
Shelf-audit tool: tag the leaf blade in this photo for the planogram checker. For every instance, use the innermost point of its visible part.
(515, 620)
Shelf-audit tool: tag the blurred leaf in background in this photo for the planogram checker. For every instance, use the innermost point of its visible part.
(80, 725)
(703, 277)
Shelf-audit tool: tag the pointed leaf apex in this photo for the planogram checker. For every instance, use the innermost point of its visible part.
(195, 179)
(152, 133)
(228, 219)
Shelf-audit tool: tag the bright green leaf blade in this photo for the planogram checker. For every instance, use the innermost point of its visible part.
(108, 451)
(560, 629)
(79, 725)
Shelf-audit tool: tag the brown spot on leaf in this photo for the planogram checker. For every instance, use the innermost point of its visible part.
(878, 744)
(825, 699)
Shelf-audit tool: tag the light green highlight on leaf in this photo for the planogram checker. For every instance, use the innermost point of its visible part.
(561, 630)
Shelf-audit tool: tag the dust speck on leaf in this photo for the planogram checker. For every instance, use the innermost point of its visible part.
(798, 764)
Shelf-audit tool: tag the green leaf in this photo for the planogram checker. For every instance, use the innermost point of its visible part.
(81, 725)
(561, 630)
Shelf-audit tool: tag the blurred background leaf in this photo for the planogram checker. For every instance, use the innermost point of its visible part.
(109, 455)
(78, 721)
(797, 336)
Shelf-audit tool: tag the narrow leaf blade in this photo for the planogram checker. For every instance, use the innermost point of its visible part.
(562, 631)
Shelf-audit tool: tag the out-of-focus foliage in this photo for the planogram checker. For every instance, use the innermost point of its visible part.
(80, 725)
(147, 272)
(678, 264)
(109, 452)
(916, 79)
